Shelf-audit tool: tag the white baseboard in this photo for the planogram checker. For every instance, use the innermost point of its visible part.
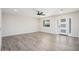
(37, 31)
(18, 33)
(58, 33)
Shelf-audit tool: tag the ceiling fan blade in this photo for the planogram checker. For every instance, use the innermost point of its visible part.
(40, 13)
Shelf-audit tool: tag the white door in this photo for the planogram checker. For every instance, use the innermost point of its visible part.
(63, 26)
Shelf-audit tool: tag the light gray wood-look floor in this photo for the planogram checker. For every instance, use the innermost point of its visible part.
(40, 41)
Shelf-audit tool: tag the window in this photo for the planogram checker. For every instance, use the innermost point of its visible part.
(63, 20)
(46, 23)
(63, 25)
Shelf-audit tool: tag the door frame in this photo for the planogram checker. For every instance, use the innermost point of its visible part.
(59, 27)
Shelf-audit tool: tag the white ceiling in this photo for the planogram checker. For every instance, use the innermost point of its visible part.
(32, 11)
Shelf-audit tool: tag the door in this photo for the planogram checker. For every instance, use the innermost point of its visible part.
(63, 26)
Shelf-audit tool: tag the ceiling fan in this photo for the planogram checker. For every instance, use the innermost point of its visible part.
(40, 13)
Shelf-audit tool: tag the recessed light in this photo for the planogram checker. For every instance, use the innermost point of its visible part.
(15, 10)
(61, 11)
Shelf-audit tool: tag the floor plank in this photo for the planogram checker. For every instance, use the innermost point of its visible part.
(40, 41)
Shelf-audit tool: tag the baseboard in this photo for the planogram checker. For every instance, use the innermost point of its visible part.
(18, 33)
(58, 34)
(36, 31)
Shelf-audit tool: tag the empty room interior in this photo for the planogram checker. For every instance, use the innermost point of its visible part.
(39, 29)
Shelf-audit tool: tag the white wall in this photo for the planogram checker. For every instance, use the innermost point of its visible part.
(50, 29)
(0, 30)
(78, 24)
(16, 24)
(53, 23)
